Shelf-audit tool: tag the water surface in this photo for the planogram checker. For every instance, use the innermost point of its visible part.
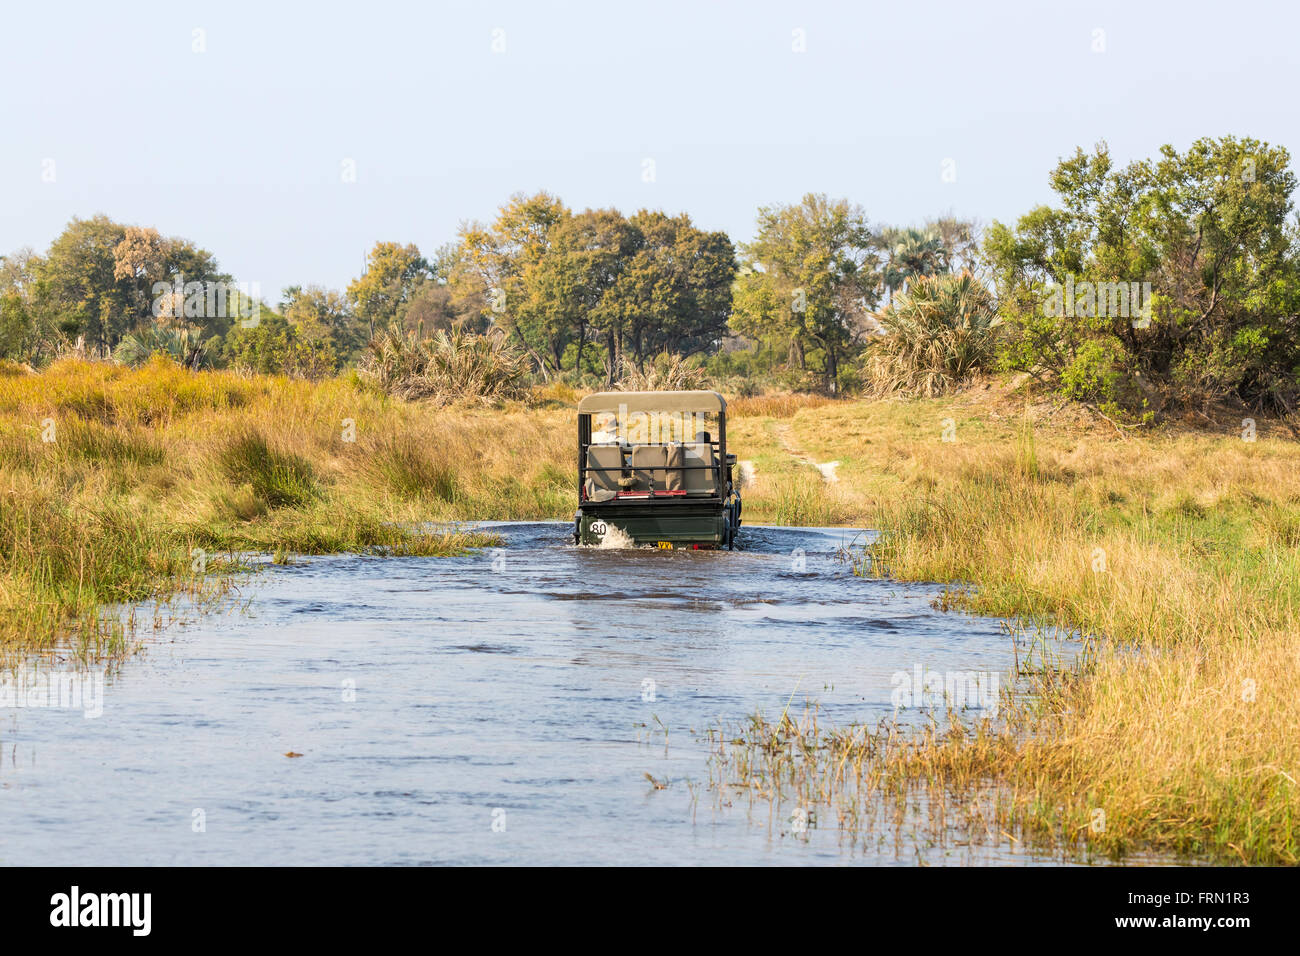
(503, 707)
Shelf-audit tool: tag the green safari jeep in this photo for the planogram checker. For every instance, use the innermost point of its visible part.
(653, 469)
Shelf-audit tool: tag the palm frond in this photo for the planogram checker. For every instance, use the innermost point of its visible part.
(934, 336)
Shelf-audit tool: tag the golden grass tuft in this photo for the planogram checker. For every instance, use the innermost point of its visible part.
(775, 405)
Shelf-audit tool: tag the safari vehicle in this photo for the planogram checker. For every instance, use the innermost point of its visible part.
(654, 467)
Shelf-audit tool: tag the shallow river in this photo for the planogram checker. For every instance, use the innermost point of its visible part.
(499, 708)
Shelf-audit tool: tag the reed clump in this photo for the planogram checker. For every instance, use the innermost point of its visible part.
(934, 336)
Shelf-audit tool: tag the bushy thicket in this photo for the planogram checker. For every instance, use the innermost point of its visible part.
(1204, 238)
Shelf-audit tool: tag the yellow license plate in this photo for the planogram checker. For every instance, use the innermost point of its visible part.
(665, 545)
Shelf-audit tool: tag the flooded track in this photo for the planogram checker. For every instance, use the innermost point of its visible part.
(503, 707)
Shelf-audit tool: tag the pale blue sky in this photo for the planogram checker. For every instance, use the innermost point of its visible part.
(240, 148)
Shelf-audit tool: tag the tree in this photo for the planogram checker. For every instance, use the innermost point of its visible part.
(392, 274)
(492, 264)
(323, 330)
(912, 254)
(139, 261)
(676, 287)
(278, 346)
(266, 347)
(20, 333)
(77, 280)
(570, 290)
(99, 278)
(649, 284)
(1206, 232)
(433, 306)
(960, 238)
(811, 277)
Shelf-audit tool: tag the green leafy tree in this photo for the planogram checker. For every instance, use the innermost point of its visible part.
(324, 332)
(77, 282)
(1208, 231)
(20, 333)
(676, 287)
(811, 278)
(276, 346)
(265, 347)
(493, 266)
(393, 272)
(642, 286)
(568, 291)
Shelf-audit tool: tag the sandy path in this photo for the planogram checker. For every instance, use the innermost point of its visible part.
(827, 468)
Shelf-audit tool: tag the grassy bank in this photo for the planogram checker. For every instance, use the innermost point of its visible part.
(117, 485)
(1175, 552)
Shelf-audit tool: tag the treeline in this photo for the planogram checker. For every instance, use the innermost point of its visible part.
(1167, 280)
(585, 295)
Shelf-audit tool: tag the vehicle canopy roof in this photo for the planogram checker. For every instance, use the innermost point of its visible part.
(695, 401)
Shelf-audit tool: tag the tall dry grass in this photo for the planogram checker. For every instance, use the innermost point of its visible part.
(111, 477)
(1176, 556)
(775, 404)
(668, 372)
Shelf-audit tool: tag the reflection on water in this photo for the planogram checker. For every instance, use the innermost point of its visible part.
(504, 707)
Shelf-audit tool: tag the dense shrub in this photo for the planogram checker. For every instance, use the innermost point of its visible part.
(1181, 279)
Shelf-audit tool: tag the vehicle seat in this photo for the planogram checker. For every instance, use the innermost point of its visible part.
(700, 480)
(648, 463)
(602, 485)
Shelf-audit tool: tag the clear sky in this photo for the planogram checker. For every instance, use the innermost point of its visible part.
(243, 147)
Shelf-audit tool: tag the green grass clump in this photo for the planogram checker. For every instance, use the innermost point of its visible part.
(412, 470)
(280, 479)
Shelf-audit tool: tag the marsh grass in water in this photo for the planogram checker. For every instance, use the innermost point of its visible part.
(114, 480)
(877, 787)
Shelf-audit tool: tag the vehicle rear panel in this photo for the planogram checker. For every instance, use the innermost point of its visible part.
(680, 524)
